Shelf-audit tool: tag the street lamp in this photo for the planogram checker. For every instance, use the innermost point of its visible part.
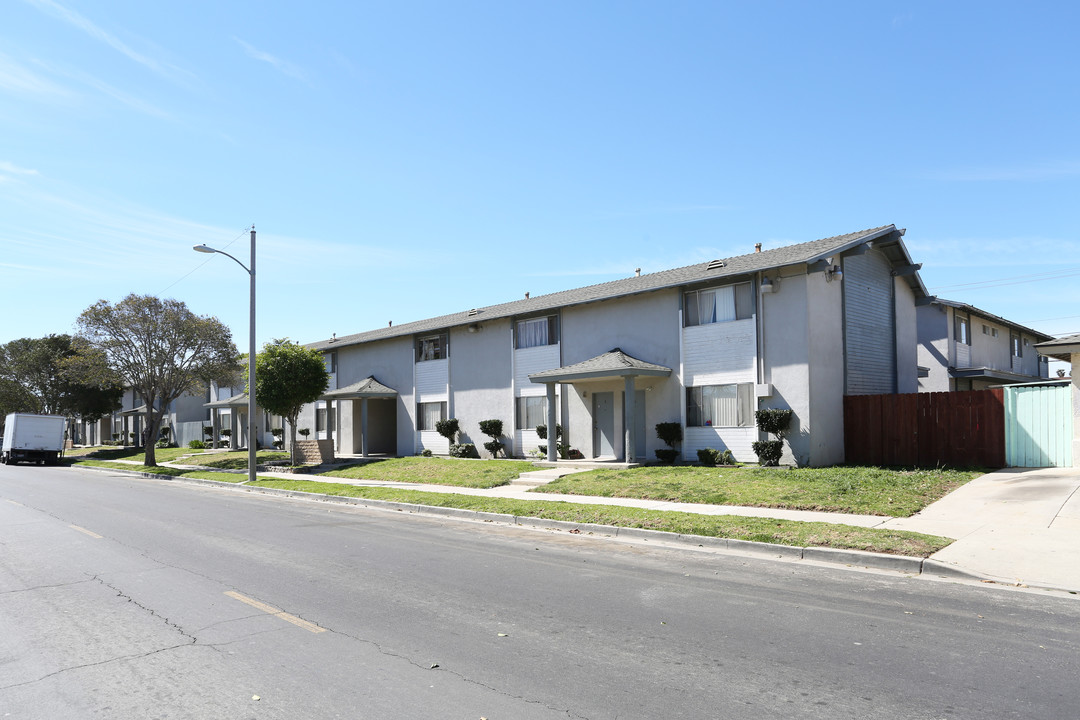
(252, 442)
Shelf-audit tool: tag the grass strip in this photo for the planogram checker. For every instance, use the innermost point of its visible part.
(164, 470)
(767, 530)
(857, 490)
(234, 460)
(458, 472)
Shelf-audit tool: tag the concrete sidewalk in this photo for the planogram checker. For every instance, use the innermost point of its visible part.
(1017, 526)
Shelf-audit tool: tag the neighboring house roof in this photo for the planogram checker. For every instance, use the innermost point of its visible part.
(886, 238)
(236, 401)
(990, 316)
(1061, 348)
(614, 363)
(366, 388)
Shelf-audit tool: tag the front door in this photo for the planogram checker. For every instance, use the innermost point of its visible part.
(603, 424)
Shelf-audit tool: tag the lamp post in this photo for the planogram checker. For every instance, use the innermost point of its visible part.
(252, 442)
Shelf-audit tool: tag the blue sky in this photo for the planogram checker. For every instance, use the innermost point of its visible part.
(403, 160)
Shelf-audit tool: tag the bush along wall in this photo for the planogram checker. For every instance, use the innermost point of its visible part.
(774, 422)
(670, 433)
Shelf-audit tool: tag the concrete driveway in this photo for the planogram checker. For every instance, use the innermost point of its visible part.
(1017, 525)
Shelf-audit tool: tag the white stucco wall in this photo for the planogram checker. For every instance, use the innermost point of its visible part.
(907, 338)
(785, 354)
(820, 435)
(645, 327)
(935, 337)
(480, 381)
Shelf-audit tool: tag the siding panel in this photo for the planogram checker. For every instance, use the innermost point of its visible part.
(737, 440)
(719, 353)
(431, 380)
(870, 330)
(533, 360)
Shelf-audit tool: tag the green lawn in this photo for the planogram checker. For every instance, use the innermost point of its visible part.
(234, 460)
(856, 490)
(768, 530)
(436, 471)
(130, 453)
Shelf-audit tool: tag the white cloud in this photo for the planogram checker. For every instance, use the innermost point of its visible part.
(283, 66)
(87, 26)
(13, 169)
(17, 78)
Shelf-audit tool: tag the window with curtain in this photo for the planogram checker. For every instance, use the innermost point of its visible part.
(537, 331)
(431, 347)
(720, 405)
(963, 330)
(723, 304)
(531, 411)
(429, 413)
(324, 418)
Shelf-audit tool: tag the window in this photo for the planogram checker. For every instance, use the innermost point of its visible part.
(963, 330)
(531, 411)
(429, 413)
(536, 331)
(724, 304)
(432, 347)
(322, 417)
(330, 360)
(1017, 348)
(720, 405)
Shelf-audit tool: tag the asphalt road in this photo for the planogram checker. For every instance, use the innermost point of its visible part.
(131, 598)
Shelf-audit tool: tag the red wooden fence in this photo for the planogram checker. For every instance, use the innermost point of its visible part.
(956, 429)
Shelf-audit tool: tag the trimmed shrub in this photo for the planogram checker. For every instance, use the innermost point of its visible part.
(426, 453)
(669, 432)
(447, 428)
(208, 431)
(494, 447)
(493, 429)
(768, 451)
(708, 456)
(197, 445)
(304, 432)
(541, 431)
(667, 455)
(774, 422)
(464, 450)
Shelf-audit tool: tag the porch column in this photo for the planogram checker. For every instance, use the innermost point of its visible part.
(363, 428)
(552, 444)
(335, 429)
(215, 423)
(629, 412)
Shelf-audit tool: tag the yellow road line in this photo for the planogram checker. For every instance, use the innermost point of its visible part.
(85, 531)
(271, 610)
(15, 503)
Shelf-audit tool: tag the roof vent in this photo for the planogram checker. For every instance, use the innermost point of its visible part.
(474, 312)
(716, 265)
(637, 272)
(757, 247)
(526, 294)
(334, 338)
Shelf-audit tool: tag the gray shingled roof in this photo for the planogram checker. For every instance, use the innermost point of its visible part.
(807, 252)
(612, 363)
(990, 316)
(1061, 348)
(236, 401)
(368, 387)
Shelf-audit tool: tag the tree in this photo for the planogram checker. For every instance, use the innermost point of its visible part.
(288, 377)
(56, 375)
(160, 349)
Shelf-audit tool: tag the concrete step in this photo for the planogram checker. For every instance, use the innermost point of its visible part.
(534, 478)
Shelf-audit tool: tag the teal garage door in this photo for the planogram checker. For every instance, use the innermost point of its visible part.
(1038, 426)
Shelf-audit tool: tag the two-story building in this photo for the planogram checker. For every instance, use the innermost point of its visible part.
(964, 348)
(705, 345)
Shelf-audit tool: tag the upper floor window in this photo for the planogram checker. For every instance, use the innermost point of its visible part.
(723, 304)
(992, 332)
(1017, 346)
(536, 331)
(432, 347)
(330, 360)
(963, 330)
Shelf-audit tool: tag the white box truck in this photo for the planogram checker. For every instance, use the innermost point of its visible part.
(33, 438)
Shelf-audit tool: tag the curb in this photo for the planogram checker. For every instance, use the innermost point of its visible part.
(832, 556)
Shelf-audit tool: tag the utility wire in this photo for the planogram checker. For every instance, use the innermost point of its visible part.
(243, 232)
(1015, 279)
